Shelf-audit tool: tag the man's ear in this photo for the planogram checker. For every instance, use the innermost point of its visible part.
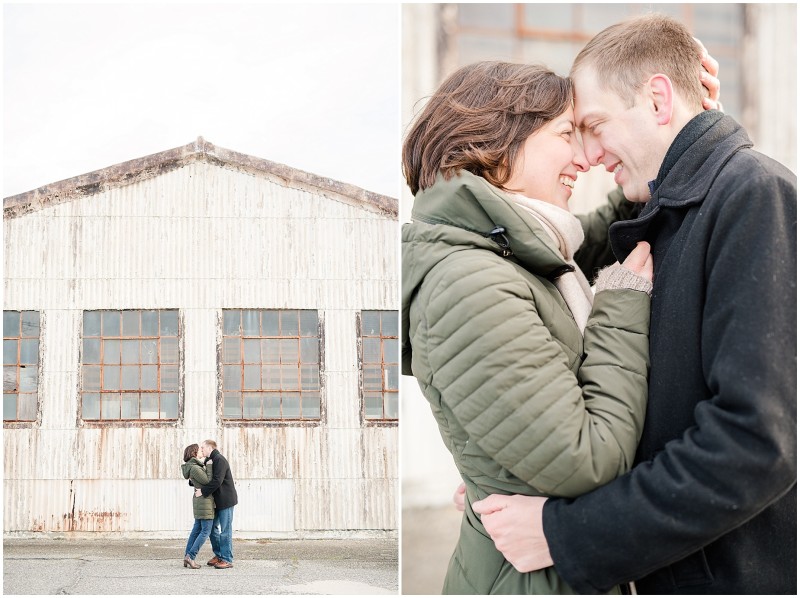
(660, 95)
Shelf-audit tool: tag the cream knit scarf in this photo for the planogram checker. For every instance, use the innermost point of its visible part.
(565, 229)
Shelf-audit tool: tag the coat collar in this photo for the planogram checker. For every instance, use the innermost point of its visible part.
(690, 167)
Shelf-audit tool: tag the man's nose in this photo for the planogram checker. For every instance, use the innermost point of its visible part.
(593, 150)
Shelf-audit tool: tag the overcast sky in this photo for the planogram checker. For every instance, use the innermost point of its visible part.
(314, 87)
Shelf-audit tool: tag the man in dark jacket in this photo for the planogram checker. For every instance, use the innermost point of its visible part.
(221, 487)
(710, 507)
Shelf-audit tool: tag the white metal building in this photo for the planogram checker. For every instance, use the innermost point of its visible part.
(200, 293)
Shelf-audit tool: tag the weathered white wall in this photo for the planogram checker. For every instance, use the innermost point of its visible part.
(200, 239)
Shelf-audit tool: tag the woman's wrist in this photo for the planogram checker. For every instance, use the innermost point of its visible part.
(617, 276)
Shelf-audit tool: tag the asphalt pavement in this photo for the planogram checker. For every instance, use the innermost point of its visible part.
(115, 566)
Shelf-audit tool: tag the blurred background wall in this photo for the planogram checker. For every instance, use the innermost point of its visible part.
(756, 46)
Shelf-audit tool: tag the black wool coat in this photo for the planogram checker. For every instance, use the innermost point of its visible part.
(221, 485)
(710, 507)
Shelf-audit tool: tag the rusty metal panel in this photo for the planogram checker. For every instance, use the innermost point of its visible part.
(348, 504)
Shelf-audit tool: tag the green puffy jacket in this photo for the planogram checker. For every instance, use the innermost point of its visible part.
(200, 474)
(525, 404)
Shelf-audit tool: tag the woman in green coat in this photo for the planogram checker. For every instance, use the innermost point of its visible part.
(537, 383)
(199, 474)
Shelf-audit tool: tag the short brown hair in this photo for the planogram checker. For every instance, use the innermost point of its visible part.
(190, 451)
(210, 443)
(478, 119)
(625, 55)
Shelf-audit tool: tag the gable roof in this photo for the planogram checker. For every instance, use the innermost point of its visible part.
(151, 166)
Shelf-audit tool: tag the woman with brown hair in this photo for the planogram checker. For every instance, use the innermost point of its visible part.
(537, 383)
(199, 474)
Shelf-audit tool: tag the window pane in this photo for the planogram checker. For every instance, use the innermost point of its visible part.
(232, 405)
(91, 350)
(389, 321)
(11, 324)
(169, 322)
(169, 350)
(149, 377)
(289, 322)
(130, 323)
(169, 378)
(27, 407)
(149, 350)
(130, 351)
(10, 352)
(111, 351)
(9, 378)
(28, 378)
(270, 350)
(309, 377)
(269, 323)
(373, 405)
(149, 405)
(309, 350)
(252, 405)
(272, 405)
(309, 322)
(30, 323)
(91, 406)
(390, 400)
(271, 377)
(232, 377)
(310, 405)
(371, 323)
(371, 375)
(390, 350)
(111, 378)
(252, 350)
(391, 380)
(231, 350)
(150, 323)
(91, 323)
(9, 406)
(290, 351)
(130, 377)
(250, 322)
(110, 405)
(111, 326)
(290, 378)
(252, 377)
(291, 405)
(230, 321)
(169, 405)
(372, 350)
(29, 350)
(130, 405)
(91, 377)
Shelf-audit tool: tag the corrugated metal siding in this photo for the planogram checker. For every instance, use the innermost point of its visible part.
(200, 238)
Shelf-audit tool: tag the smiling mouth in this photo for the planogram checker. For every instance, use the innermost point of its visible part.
(565, 180)
(617, 168)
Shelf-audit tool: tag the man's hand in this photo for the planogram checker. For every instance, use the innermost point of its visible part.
(515, 525)
(459, 496)
(198, 493)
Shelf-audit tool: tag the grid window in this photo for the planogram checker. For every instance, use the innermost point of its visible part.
(20, 365)
(130, 365)
(270, 364)
(379, 364)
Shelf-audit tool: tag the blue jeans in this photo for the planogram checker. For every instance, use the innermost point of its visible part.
(198, 535)
(222, 534)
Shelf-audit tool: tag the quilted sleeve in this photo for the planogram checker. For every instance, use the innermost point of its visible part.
(508, 383)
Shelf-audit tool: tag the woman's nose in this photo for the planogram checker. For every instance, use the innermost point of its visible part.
(579, 158)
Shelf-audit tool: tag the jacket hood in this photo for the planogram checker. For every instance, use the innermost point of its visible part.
(693, 162)
(466, 212)
(187, 466)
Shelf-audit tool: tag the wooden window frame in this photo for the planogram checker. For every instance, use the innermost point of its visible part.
(19, 337)
(373, 421)
(122, 336)
(223, 361)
